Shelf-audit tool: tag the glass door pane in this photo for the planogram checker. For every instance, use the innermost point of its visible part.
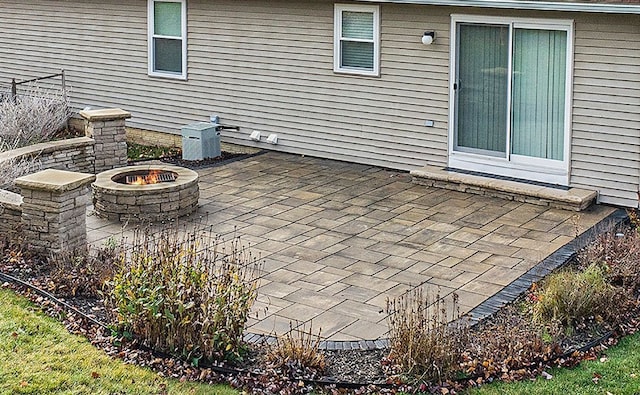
(538, 104)
(482, 89)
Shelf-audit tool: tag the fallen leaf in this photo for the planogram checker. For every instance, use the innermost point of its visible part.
(95, 375)
(596, 377)
(23, 383)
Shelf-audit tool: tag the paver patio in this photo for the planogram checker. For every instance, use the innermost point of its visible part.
(338, 239)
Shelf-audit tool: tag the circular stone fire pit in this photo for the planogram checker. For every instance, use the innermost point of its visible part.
(174, 196)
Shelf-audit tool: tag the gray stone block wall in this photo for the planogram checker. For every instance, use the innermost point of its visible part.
(10, 213)
(54, 209)
(70, 154)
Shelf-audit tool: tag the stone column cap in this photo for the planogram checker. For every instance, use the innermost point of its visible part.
(53, 180)
(105, 114)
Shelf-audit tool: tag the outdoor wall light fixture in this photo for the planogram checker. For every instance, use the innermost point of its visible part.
(428, 38)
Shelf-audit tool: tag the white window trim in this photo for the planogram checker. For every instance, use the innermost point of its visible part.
(516, 166)
(337, 38)
(151, 36)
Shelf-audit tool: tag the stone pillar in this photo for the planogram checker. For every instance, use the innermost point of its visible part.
(54, 204)
(107, 128)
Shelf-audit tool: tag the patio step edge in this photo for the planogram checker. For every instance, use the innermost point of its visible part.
(574, 199)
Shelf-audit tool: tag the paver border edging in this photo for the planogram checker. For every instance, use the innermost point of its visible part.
(493, 304)
(557, 259)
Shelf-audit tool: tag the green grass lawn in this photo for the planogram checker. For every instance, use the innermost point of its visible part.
(39, 356)
(618, 373)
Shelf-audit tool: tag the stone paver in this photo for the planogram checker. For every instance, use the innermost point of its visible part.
(338, 239)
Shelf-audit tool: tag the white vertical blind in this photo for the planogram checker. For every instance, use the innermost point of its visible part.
(539, 76)
(483, 56)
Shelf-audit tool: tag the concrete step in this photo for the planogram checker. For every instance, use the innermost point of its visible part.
(572, 199)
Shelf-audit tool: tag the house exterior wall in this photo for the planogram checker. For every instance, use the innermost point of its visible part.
(606, 107)
(268, 66)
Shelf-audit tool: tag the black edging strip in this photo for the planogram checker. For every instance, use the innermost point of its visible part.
(196, 165)
(43, 293)
(225, 370)
(490, 306)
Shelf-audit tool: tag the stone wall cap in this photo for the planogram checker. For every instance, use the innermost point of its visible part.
(48, 147)
(10, 198)
(105, 114)
(54, 180)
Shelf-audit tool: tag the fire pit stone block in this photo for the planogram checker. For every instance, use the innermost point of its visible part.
(152, 202)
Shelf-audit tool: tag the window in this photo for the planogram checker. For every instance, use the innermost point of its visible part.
(168, 38)
(511, 93)
(357, 39)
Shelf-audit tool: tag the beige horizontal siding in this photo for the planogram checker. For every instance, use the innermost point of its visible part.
(606, 107)
(97, 43)
(261, 65)
(268, 66)
(368, 120)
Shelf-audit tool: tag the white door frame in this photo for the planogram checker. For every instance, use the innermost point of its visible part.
(516, 166)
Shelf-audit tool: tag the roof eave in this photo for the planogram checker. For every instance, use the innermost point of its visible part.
(527, 5)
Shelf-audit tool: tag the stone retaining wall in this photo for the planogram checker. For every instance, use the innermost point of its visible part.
(149, 137)
(103, 148)
(71, 154)
(10, 213)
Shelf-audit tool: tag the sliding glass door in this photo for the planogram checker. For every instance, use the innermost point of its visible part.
(482, 86)
(510, 97)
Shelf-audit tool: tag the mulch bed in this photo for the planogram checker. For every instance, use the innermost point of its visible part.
(224, 158)
(349, 370)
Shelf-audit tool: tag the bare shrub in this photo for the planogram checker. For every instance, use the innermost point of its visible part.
(510, 346)
(83, 272)
(620, 255)
(297, 351)
(424, 344)
(182, 292)
(14, 168)
(35, 116)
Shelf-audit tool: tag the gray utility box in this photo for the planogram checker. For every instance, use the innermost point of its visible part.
(200, 140)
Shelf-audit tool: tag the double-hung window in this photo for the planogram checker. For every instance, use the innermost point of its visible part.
(357, 39)
(511, 97)
(167, 38)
